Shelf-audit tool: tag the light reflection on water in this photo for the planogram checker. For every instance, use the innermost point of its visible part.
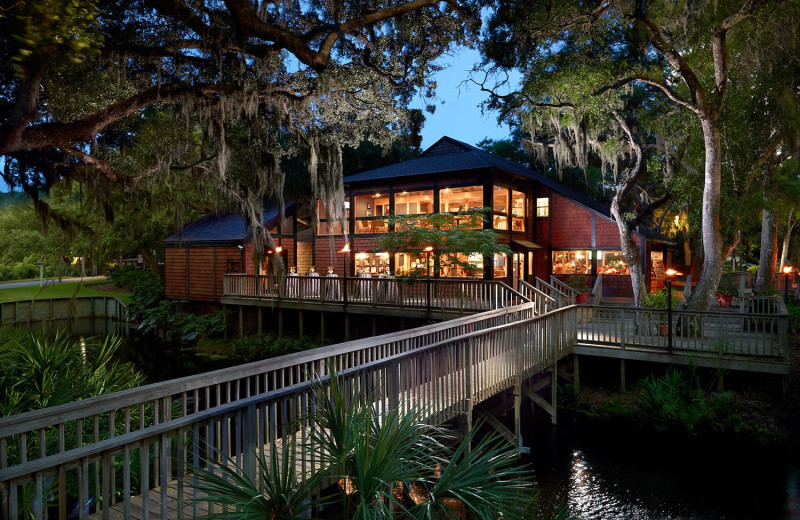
(605, 474)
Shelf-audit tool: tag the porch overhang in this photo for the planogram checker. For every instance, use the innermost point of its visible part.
(526, 244)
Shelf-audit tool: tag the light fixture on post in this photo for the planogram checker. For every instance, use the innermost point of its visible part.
(670, 274)
(346, 252)
(787, 270)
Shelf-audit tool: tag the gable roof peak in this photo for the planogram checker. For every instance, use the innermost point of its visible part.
(447, 145)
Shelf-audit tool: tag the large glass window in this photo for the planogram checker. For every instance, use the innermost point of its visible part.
(372, 263)
(612, 262)
(420, 263)
(542, 206)
(328, 226)
(572, 262)
(500, 264)
(461, 265)
(453, 200)
(367, 207)
(499, 208)
(517, 211)
(413, 202)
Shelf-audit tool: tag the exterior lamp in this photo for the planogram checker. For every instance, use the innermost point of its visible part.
(428, 254)
(278, 249)
(671, 274)
(787, 270)
(346, 252)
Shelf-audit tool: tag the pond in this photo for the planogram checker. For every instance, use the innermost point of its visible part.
(605, 472)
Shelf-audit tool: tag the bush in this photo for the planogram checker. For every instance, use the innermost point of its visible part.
(658, 300)
(252, 349)
(131, 277)
(794, 317)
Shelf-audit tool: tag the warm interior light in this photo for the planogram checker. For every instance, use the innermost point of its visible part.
(672, 272)
(278, 249)
(787, 269)
(346, 248)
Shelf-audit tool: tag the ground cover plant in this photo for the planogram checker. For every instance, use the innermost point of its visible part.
(386, 464)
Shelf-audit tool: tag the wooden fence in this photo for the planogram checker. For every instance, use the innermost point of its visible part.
(109, 448)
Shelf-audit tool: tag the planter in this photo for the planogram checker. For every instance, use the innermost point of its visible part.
(663, 330)
(724, 300)
(584, 297)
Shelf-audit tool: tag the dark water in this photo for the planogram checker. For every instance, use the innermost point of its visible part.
(609, 472)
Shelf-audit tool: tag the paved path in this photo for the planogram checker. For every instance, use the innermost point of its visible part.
(49, 281)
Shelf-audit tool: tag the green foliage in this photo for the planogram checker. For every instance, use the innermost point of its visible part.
(380, 458)
(450, 235)
(727, 285)
(658, 299)
(252, 349)
(794, 316)
(37, 372)
(132, 278)
(578, 282)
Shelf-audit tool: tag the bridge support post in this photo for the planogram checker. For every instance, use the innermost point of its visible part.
(241, 321)
(322, 328)
(300, 322)
(347, 326)
(260, 321)
(280, 322)
(577, 373)
(622, 375)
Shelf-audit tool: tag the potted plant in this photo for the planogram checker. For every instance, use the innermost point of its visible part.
(580, 284)
(726, 290)
(658, 300)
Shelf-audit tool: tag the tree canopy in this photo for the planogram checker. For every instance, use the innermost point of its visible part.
(248, 83)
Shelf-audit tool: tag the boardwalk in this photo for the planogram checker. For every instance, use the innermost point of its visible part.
(132, 453)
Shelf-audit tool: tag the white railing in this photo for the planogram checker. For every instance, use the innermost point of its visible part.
(728, 335)
(564, 288)
(136, 448)
(28, 311)
(403, 293)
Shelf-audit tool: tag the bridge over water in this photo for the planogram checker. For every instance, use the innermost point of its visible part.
(511, 344)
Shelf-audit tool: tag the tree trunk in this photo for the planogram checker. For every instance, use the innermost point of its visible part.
(631, 252)
(769, 251)
(713, 260)
(787, 237)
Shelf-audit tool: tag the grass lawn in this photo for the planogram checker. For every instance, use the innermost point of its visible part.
(63, 290)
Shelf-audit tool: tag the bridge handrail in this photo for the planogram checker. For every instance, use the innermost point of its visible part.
(385, 374)
(561, 297)
(276, 372)
(544, 302)
(461, 294)
(732, 334)
(564, 288)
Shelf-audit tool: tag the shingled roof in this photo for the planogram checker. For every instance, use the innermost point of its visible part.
(449, 155)
(219, 229)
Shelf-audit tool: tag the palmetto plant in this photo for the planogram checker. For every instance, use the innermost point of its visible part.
(387, 463)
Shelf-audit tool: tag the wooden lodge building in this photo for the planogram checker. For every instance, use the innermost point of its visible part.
(550, 229)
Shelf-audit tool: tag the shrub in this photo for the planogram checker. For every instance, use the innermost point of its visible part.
(252, 349)
(658, 300)
(131, 277)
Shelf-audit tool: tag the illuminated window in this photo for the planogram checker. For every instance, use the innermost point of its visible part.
(542, 207)
(517, 211)
(500, 265)
(367, 207)
(612, 262)
(372, 263)
(499, 208)
(461, 265)
(572, 262)
(454, 200)
(331, 226)
(413, 202)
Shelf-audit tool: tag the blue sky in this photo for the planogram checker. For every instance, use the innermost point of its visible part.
(458, 114)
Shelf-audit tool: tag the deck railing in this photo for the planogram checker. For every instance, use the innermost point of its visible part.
(28, 311)
(723, 334)
(544, 302)
(436, 294)
(562, 298)
(116, 447)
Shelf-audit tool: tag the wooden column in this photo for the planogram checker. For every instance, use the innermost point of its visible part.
(300, 322)
(241, 322)
(280, 323)
(622, 375)
(322, 328)
(577, 372)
